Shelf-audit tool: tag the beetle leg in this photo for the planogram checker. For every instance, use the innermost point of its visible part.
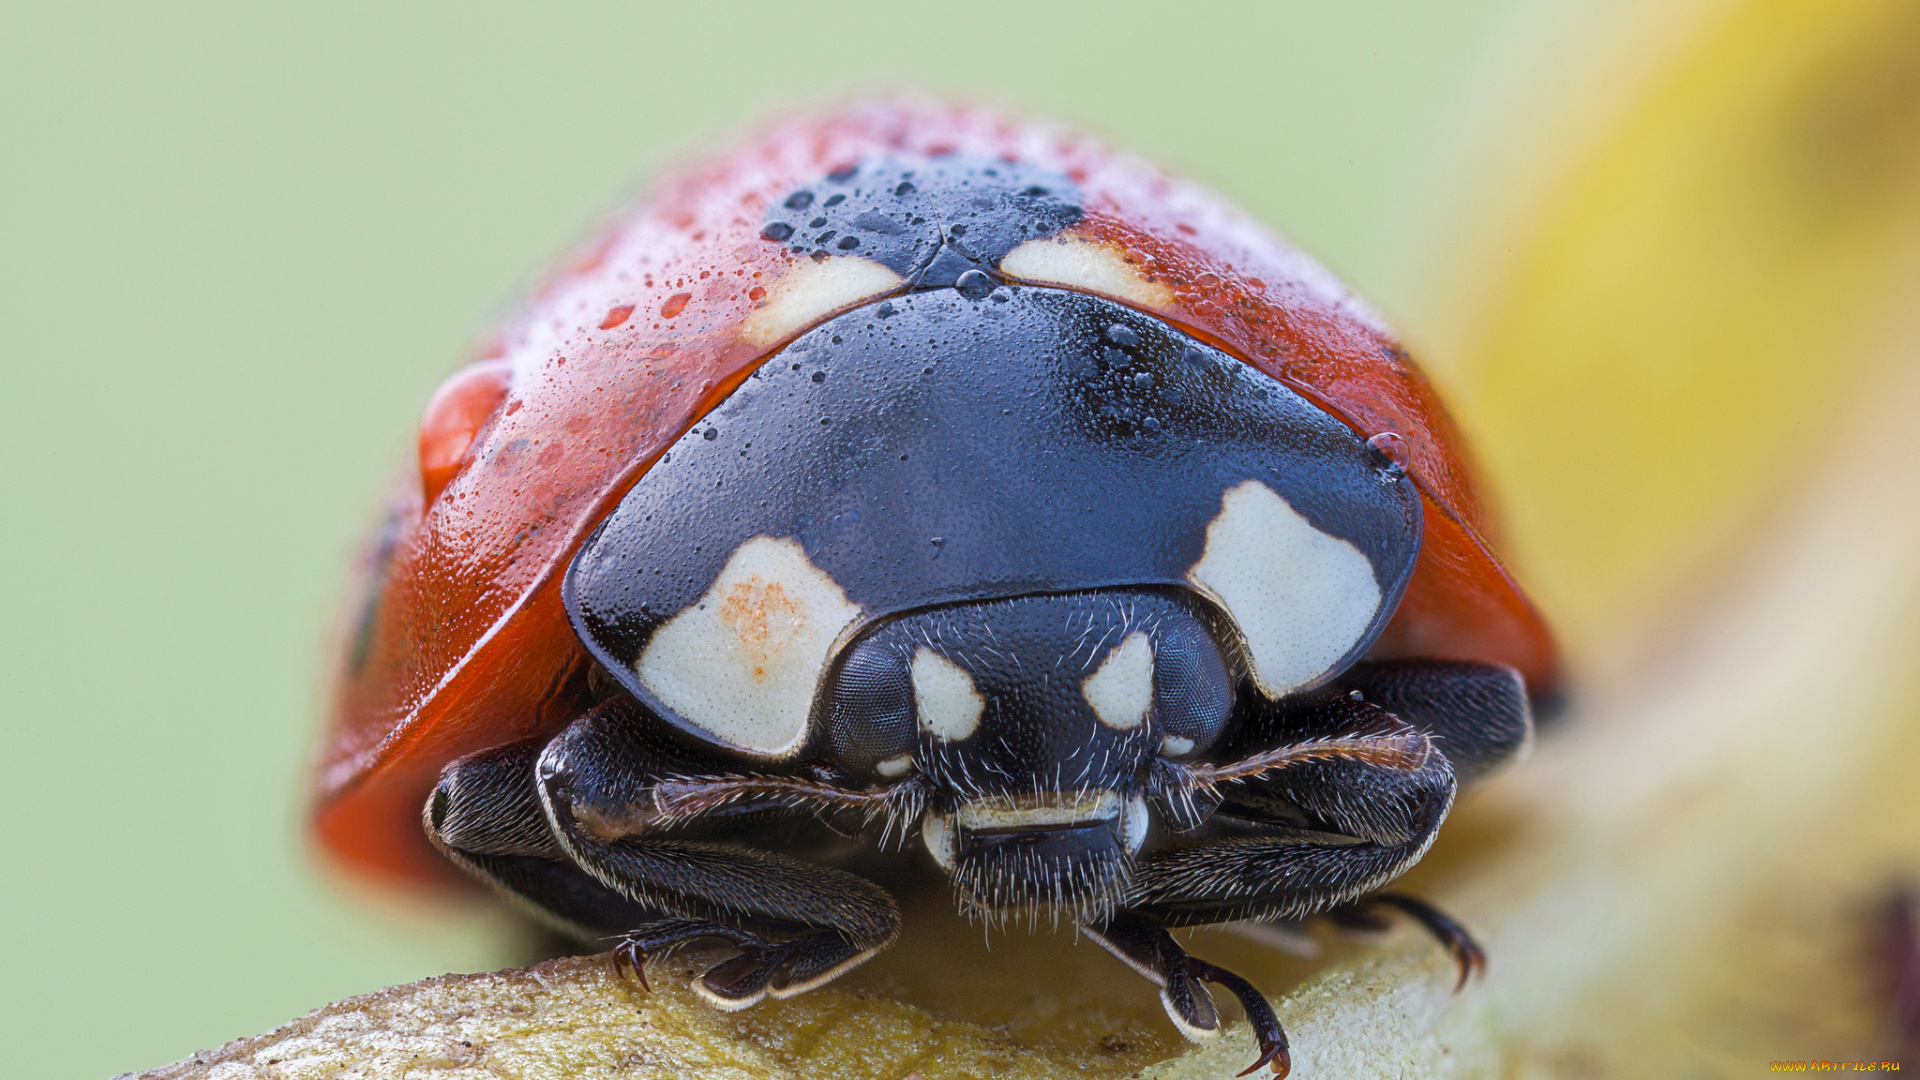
(1477, 713)
(1466, 952)
(1146, 947)
(1340, 798)
(636, 946)
(485, 816)
(597, 782)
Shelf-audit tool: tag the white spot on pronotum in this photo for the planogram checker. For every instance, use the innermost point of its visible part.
(937, 831)
(944, 696)
(894, 767)
(1079, 263)
(1176, 746)
(1302, 598)
(1121, 691)
(809, 291)
(741, 664)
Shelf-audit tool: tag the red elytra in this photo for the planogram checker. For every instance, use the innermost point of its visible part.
(464, 643)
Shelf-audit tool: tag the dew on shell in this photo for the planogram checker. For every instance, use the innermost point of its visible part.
(974, 285)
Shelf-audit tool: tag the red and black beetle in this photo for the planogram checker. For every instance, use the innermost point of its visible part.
(927, 472)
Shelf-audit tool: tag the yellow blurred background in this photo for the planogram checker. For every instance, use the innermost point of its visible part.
(1670, 246)
(1648, 248)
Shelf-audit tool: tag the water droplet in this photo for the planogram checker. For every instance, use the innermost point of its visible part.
(973, 285)
(709, 434)
(1151, 423)
(819, 376)
(958, 230)
(886, 310)
(826, 236)
(848, 243)
(816, 223)
(800, 200)
(675, 304)
(1116, 358)
(905, 189)
(835, 201)
(1392, 447)
(843, 174)
(1143, 379)
(776, 231)
(1123, 336)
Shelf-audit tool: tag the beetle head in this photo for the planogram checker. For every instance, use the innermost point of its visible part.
(1033, 722)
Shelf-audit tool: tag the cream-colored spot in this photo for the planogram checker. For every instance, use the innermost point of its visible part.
(810, 291)
(895, 767)
(937, 831)
(1133, 824)
(1079, 263)
(1302, 598)
(1176, 746)
(1121, 692)
(1040, 810)
(944, 696)
(741, 664)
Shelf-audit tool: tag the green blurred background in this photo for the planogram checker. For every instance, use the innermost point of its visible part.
(240, 244)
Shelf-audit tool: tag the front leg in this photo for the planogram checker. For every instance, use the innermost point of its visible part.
(1146, 947)
(1332, 800)
(1364, 915)
(485, 816)
(1317, 805)
(602, 783)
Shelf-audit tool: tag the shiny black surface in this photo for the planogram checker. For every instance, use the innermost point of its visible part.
(1029, 658)
(936, 449)
(929, 219)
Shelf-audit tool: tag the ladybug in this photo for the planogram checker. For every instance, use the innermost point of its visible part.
(918, 483)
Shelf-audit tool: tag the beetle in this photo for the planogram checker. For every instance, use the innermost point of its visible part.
(947, 480)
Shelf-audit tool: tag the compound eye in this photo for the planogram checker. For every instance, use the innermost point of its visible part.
(871, 727)
(1193, 694)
